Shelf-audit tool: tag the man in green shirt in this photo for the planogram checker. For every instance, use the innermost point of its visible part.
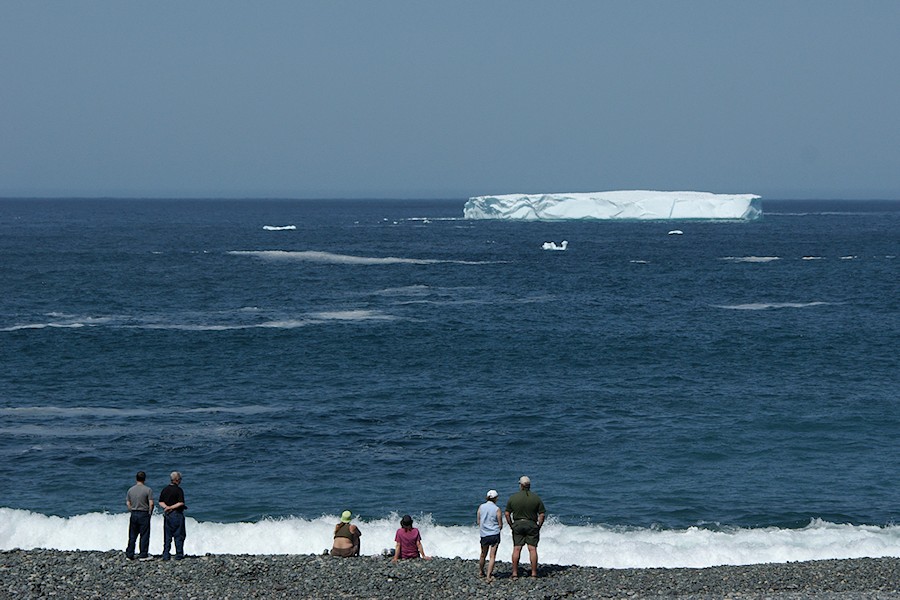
(525, 516)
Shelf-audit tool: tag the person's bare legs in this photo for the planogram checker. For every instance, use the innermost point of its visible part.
(490, 571)
(517, 550)
(532, 552)
(484, 550)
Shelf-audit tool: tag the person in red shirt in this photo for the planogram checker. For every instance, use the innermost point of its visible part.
(408, 541)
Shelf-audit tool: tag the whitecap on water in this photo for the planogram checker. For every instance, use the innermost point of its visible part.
(346, 259)
(769, 305)
(588, 545)
(751, 259)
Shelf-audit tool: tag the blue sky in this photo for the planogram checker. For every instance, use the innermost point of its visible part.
(419, 99)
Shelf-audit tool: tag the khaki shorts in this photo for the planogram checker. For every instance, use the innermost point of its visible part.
(525, 532)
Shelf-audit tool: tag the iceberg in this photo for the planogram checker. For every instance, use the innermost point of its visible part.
(625, 204)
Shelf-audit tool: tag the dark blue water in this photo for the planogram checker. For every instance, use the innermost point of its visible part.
(741, 373)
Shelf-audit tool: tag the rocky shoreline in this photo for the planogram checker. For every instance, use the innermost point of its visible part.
(59, 574)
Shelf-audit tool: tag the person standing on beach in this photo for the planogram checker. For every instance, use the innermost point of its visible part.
(172, 501)
(525, 514)
(139, 500)
(408, 541)
(346, 537)
(490, 522)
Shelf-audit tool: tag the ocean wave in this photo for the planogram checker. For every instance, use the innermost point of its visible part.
(61, 321)
(104, 411)
(315, 256)
(413, 290)
(279, 227)
(352, 315)
(180, 322)
(769, 305)
(587, 545)
(61, 431)
(751, 259)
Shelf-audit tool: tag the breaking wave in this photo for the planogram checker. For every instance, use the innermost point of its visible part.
(770, 305)
(588, 545)
(315, 256)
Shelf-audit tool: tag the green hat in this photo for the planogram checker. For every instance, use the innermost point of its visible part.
(346, 516)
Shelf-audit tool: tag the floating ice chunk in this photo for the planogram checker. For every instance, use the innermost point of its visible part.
(628, 204)
(553, 246)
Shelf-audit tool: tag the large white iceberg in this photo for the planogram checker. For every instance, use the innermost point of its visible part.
(627, 204)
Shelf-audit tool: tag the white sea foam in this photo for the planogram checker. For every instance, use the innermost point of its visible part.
(52, 325)
(407, 290)
(173, 323)
(352, 315)
(751, 259)
(768, 305)
(315, 256)
(429, 219)
(61, 321)
(590, 545)
(279, 227)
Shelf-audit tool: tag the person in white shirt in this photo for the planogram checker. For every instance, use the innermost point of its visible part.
(489, 519)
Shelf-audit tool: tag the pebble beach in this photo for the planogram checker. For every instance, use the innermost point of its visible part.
(62, 574)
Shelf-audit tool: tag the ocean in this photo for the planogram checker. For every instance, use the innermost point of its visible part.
(725, 396)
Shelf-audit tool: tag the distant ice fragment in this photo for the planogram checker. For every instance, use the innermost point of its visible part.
(553, 246)
(626, 204)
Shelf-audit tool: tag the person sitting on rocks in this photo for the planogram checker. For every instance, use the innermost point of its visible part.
(346, 537)
(408, 541)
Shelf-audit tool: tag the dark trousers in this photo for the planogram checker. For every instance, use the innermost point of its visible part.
(138, 525)
(173, 529)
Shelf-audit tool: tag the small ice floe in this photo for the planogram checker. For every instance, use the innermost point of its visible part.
(553, 246)
(279, 227)
(676, 232)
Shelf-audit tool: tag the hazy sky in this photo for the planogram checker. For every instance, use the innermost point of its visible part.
(448, 99)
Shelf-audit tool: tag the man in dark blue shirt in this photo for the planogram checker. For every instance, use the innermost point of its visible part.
(172, 501)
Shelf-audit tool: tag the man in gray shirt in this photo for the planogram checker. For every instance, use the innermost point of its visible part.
(139, 500)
